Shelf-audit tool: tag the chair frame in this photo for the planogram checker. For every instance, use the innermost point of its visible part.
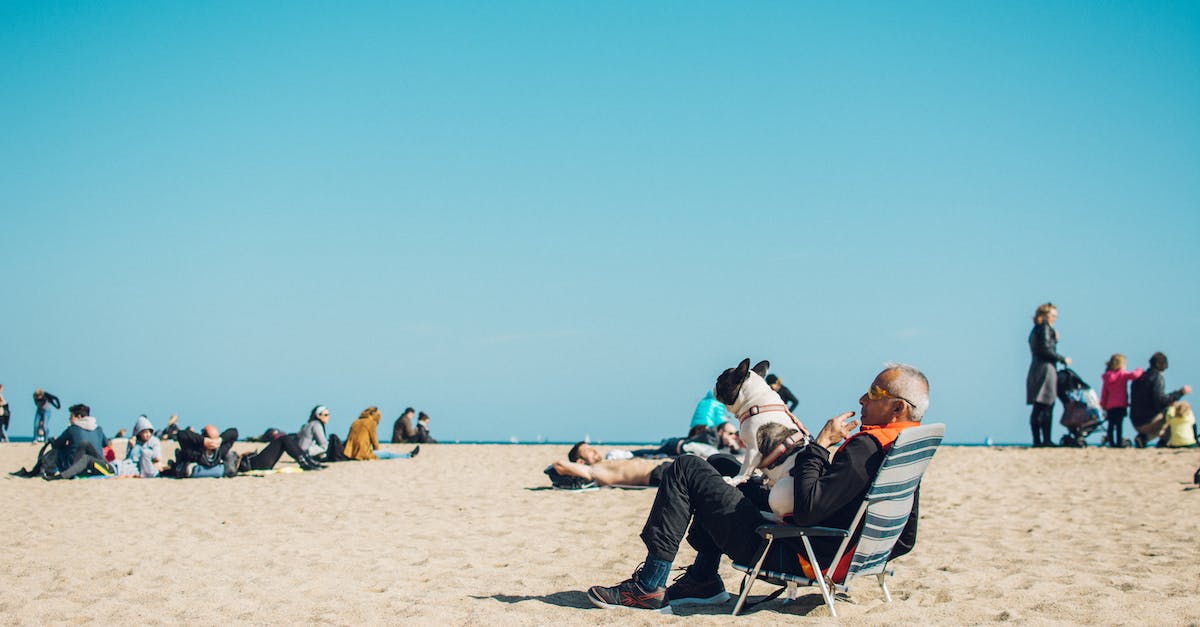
(772, 532)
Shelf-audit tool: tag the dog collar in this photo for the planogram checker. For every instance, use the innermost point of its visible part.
(777, 456)
(755, 410)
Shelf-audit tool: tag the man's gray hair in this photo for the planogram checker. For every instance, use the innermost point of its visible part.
(913, 386)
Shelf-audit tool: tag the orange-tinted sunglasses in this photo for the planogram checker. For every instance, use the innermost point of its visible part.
(877, 393)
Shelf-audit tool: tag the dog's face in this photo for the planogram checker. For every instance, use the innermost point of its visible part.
(729, 384)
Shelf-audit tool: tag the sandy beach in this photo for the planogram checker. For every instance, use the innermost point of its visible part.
(468, 534)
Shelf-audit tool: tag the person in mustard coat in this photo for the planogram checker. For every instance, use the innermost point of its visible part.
(362, 440)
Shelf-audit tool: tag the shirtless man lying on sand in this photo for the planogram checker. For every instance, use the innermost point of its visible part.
(585, 461)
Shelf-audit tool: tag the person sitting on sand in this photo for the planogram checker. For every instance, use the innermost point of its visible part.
(312, 440)
(1181, 426)
(207, 454)
(81, 445)
(729, 441)
(828, 492)
(585, 461)
(701, 440)
(362, 441)
(143, 455)
(423, 436)
(171, 431)
(266, 458)
(1149, 403)
(403, 430)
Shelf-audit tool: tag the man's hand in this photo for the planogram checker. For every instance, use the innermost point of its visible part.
(1187, 389)
(837, 429)
(1066, 361)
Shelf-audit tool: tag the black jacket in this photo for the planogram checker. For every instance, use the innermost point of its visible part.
(47, 399)
(1043, 344)
(788, 398)
(828, 494)
(423, 436)
(1147, 397)
(191, 450)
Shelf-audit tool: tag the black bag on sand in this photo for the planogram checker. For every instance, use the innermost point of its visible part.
(44, 467)
(335, 451)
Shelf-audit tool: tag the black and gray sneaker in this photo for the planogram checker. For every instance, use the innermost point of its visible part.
(630, 594)
(691, 590)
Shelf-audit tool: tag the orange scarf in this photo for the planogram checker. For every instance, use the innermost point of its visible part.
(885, 434)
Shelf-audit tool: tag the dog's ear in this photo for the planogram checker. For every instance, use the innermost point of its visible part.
(743, 367)
(761, 368)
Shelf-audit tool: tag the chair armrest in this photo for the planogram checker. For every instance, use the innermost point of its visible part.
(792, 531)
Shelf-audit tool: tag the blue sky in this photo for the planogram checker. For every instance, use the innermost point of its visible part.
(565, 219)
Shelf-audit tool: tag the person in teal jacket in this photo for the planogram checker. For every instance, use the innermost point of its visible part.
(709, 412)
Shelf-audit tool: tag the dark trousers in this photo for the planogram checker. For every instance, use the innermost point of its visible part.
(270, 454)
(1116, 420)
(85, 456)
(722, 517)
(1039, 423)
(669, 448)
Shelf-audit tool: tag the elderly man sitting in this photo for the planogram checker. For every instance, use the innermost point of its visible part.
(828, 491)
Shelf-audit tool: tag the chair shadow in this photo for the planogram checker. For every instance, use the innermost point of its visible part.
(577, 599)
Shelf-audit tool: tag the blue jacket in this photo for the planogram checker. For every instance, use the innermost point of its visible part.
(82, 430)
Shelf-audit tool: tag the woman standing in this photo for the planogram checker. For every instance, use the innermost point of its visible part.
(1041, 384)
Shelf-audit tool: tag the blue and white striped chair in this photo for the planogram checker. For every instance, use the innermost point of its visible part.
(886, 510)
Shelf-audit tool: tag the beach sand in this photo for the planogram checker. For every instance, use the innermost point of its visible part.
(467, 534)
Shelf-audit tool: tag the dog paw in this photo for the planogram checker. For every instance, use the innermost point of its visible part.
(735, 481)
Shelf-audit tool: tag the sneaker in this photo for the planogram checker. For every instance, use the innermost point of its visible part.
(631, 595)
(690, 590)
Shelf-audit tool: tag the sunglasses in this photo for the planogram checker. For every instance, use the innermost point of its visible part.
(877, 393)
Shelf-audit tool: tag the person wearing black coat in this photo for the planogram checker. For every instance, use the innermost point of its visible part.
(1149, 402)
(1042, 380)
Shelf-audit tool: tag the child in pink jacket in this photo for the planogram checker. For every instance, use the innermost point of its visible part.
(1114, 396)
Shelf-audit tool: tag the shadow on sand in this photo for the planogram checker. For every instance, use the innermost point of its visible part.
(802, 606)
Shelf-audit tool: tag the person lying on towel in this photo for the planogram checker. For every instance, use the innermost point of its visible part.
(586, 462)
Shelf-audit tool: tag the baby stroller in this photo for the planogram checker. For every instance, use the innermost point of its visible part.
(1082, 413)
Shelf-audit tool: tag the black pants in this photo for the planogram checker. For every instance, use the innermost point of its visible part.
(85, 456)
(669, 448)
(269, 455)
(1116, 420)
(1039, 423)
(722, 518)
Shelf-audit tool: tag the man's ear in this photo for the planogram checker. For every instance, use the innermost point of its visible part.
(761, 368)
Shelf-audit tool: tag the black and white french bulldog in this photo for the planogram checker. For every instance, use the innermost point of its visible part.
(745, 392)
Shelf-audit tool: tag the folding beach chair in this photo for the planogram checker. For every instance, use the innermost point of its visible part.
(886, 509)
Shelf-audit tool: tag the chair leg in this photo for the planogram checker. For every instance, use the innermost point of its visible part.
(887, 596)
(748, 580)
(820, 576)
(793, 591)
